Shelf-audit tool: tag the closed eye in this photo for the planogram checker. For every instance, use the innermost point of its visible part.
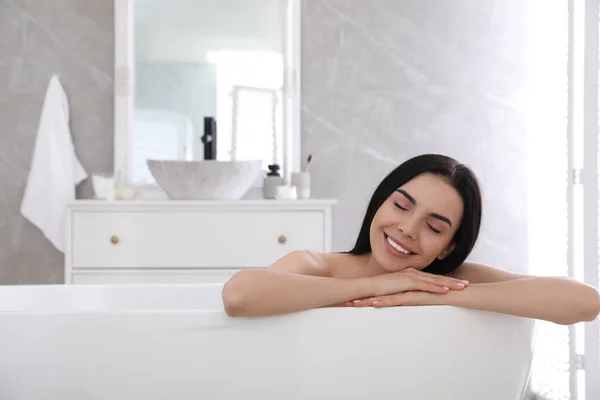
(400, 207)
(434, 230)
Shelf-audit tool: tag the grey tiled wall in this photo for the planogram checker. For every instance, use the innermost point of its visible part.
(382, 80)
(74, 39)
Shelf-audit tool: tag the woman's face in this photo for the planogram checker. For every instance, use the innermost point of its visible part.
(415, 225)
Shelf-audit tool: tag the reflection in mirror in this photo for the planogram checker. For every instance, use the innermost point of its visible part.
(201, 64)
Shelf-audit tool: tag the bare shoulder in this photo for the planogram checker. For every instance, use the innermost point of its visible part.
(475, 272)
(344, 265)
(303, 262)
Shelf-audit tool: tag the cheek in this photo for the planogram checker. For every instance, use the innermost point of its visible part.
(432, 245)
(391, 215)
(376, 224)
(382, 218)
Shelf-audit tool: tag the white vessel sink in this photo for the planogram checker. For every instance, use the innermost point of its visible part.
(205, 180)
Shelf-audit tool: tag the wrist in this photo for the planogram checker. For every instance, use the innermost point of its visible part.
(366, 287)
(456, 298)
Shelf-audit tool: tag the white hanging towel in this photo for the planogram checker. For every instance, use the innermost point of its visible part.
(55, 169)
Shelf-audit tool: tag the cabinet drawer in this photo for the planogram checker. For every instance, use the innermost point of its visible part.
(216, 239)
(151, 277)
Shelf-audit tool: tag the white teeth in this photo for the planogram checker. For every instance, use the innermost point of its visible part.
(397, 246)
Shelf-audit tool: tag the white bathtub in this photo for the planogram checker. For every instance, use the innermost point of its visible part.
(175, 342)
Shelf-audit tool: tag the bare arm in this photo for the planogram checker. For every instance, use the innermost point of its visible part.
(482, 273)
(303, 280)
(556, 299)
(299, 281)
(560, 300)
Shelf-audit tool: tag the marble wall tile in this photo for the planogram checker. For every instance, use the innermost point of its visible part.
(383, 80)
(38, 39)
(389, 79)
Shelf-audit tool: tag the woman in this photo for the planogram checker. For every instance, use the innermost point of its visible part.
(421, 224)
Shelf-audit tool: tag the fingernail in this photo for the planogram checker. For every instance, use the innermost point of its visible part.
(376, 303)
(465, 282)
(356, 301)
(460, 284)
(446, 288)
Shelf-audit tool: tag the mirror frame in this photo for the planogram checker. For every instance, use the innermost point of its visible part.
(124, 68)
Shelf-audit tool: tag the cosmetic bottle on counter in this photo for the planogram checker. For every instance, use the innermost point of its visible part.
(271, 182)
(301, 180)
(123, 191)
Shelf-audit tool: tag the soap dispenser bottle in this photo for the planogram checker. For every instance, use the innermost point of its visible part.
(271, 181)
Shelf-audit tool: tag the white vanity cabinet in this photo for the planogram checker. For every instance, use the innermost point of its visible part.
(187, 241)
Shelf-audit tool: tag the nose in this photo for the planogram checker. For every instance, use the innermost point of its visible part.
(409, 228)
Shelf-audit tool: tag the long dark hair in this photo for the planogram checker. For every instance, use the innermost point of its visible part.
(456, 174)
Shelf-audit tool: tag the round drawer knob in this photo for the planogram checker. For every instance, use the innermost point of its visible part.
(114, 240)
(282, 239)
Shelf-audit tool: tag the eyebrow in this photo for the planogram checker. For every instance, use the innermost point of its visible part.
(414, 203)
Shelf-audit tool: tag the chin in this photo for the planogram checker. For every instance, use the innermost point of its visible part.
(391, 263)
(394, 268)
(388, 262)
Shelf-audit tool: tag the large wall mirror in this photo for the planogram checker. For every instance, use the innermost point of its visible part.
(184, 68)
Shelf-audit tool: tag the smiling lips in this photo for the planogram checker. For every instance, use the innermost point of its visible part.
(396, 245)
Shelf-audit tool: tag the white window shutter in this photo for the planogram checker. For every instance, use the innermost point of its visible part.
(256, 129)
(567, 359)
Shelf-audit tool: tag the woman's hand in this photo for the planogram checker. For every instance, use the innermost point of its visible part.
(414, 298)
(411, 279)
(402, 284)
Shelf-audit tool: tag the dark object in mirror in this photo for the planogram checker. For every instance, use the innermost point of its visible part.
(210, 138)
(274, 170)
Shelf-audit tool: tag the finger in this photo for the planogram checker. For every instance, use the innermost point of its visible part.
(389, 301)
(368, 302)
(429, 287)
(413, 298)
(452, 283)
(365, 302)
